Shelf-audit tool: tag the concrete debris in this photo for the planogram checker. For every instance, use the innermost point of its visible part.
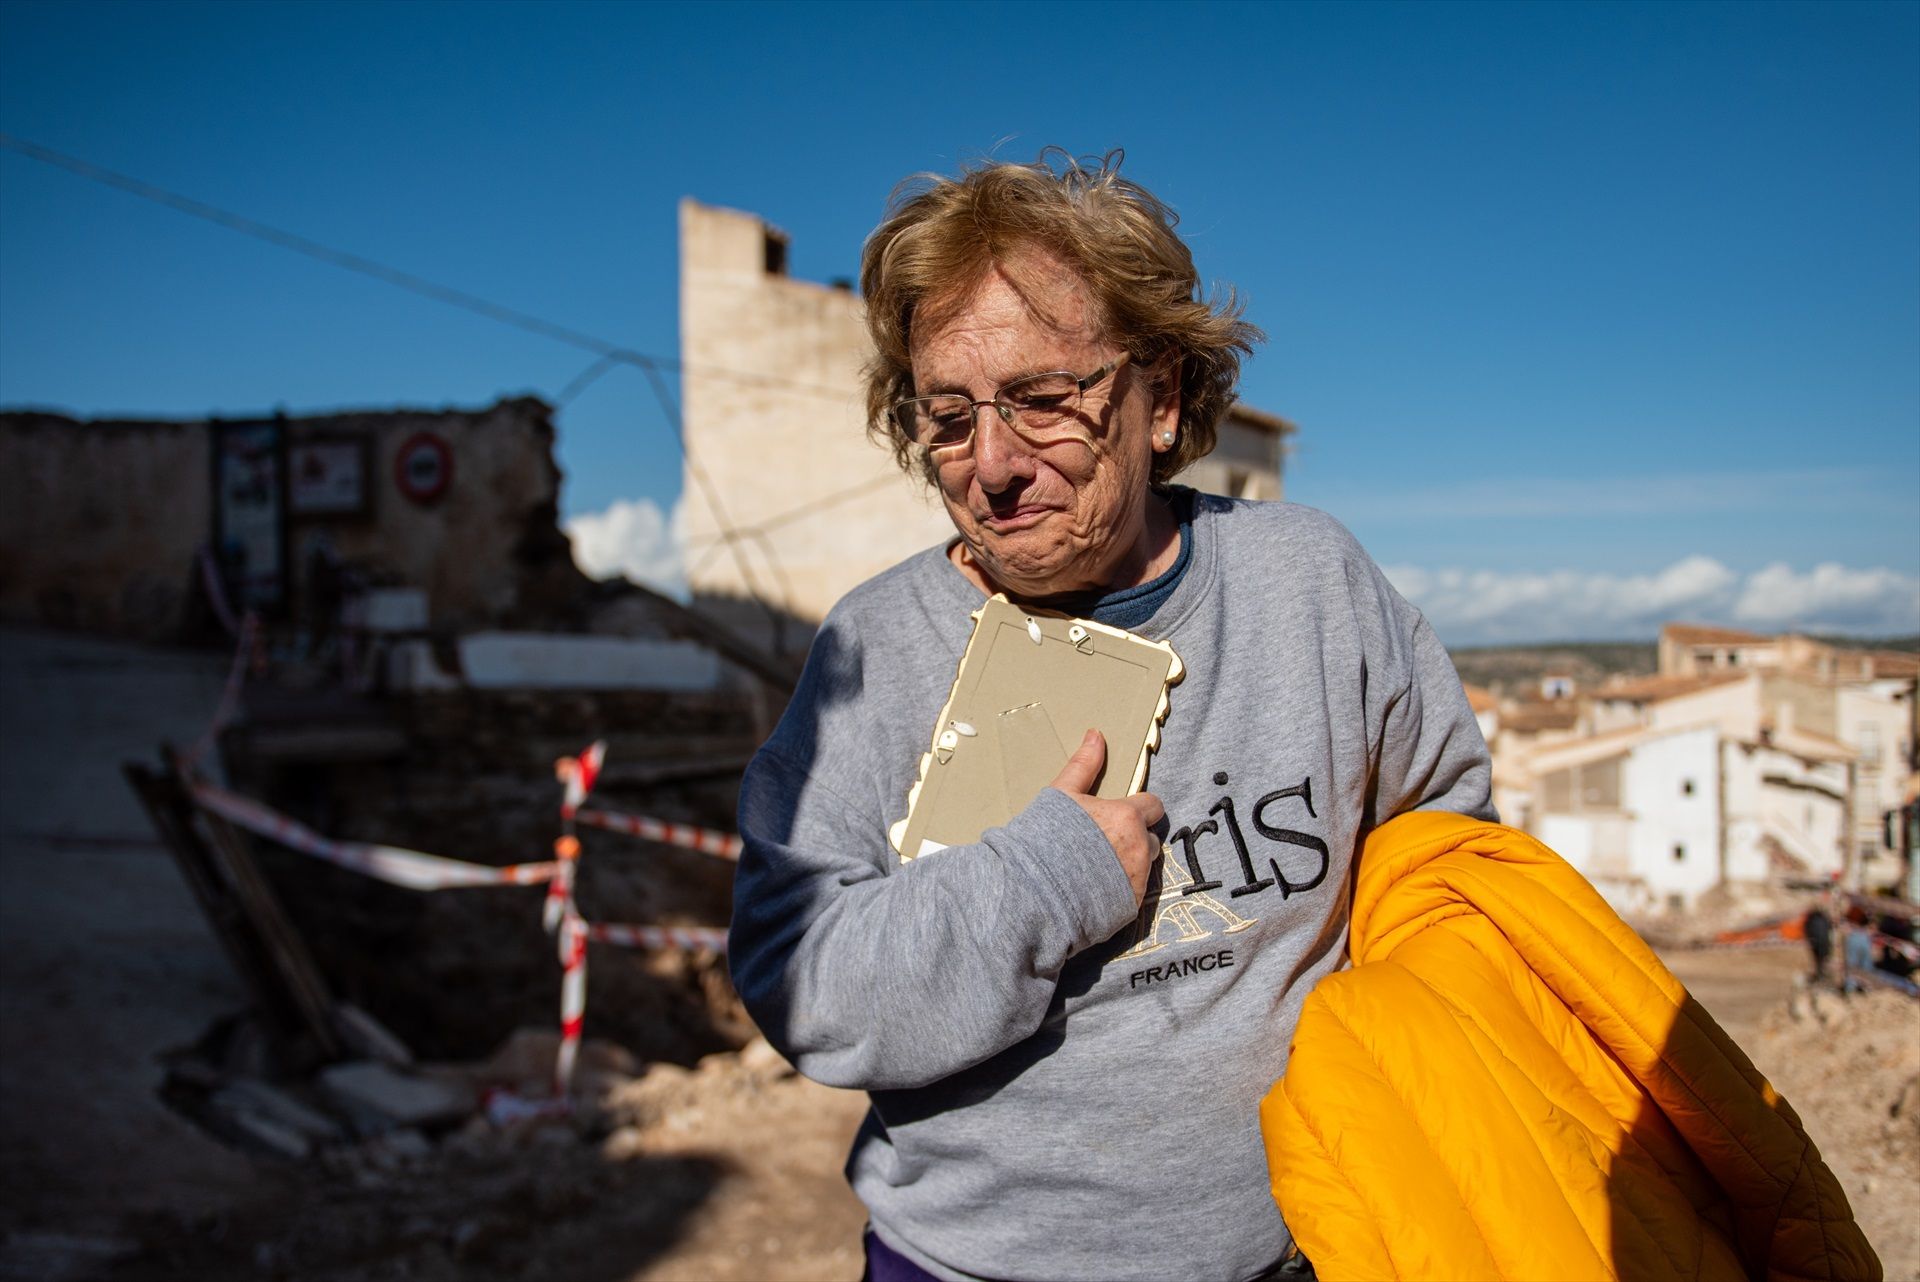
(267, 1131)
(251, 1094)
(397, 1150)
(380, 1097)
(368, 1038)
(523, 1064)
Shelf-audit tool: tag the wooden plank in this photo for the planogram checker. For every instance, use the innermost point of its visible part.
(172, 815)
(262, 944)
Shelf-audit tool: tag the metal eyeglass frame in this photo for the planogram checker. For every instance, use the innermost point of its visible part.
(1008, 413)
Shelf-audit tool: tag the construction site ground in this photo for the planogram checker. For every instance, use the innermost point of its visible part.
(726, 1169)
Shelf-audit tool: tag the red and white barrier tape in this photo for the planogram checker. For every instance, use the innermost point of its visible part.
(243, 653)
(579, 774)
(391, 864)
(709, 937)
(566, 859)
(419, 871)
(1905, 947)
(217, 591)
(686, 836)
(573, 997)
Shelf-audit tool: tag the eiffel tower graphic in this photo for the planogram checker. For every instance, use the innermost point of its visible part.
(1165, 906)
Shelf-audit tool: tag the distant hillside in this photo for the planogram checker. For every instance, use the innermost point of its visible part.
(1910, 645)
(1508, 668)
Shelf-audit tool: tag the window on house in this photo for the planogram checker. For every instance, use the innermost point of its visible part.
(1679, 853)
(1869, 737)
(1676, 903)
(1686, 787)
(1600, 785)
(776, 253)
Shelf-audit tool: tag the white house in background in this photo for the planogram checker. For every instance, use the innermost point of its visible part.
(1656, 817)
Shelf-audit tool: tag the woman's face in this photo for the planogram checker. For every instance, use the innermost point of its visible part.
(1070, 515)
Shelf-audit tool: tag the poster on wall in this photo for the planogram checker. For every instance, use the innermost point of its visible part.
(249, 513)
(327, 476)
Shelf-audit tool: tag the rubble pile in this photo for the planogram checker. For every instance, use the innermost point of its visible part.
(1851, 1068)
(461, 1170)
(1720, 911)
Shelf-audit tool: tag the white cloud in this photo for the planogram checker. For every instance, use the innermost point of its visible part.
(632, 537)
(1838, 596)
(1479, 607)
(1652, 494)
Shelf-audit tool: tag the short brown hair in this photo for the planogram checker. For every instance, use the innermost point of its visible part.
(942, 235)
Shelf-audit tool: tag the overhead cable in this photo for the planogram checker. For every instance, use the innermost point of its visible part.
(610, 353)
(606, 348)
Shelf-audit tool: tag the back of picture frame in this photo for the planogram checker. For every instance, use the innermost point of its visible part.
(1029, 686)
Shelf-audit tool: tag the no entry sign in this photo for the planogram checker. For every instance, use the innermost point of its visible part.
(424, 467)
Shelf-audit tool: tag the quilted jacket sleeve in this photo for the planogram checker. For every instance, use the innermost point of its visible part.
(1510, 1084)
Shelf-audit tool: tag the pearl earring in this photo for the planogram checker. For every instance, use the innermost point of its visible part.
(1166, 438)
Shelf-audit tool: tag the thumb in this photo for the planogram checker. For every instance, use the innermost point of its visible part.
(1083, 767)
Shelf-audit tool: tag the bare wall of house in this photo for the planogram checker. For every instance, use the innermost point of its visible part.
(775, 428)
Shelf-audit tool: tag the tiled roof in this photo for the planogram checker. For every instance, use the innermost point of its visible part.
(1594, 747)
(1481, 699)
(1531, 718)
(1700, 634)
(1656, 689)
(1894, 663)
(1811, 743)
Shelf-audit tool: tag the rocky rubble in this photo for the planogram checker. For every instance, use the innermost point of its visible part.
(507, 1191)
(1851, 1068)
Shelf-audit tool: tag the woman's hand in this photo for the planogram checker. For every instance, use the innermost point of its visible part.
(1125, 822)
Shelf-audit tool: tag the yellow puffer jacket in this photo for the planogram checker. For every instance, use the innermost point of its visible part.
(1508, 1084)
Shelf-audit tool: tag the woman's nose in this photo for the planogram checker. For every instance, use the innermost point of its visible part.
(1000, 456)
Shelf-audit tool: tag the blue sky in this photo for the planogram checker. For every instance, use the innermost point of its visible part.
(1588, 313)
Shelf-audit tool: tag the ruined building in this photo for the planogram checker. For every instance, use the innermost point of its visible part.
(103, 521)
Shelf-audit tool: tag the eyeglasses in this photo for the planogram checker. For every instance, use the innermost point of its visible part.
(1041, 407)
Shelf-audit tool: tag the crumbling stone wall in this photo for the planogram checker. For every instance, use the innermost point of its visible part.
(100, 520)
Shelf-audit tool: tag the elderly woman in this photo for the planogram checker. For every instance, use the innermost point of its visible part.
(1066, 1028)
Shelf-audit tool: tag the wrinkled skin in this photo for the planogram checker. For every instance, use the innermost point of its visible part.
(1071, 515)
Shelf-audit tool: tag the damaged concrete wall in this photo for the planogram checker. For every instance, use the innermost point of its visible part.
(100, 520)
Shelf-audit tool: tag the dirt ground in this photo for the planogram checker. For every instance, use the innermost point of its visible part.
(727, 1171)
(730, 1170)
(1849, 1066)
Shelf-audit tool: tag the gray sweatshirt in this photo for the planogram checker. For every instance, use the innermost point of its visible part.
(1065, 1086)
